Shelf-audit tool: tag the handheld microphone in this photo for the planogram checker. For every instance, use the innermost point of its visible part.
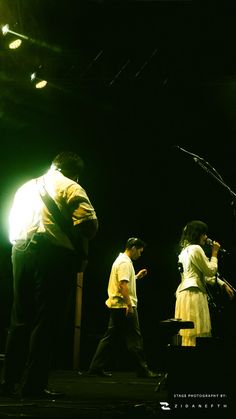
(210, 243)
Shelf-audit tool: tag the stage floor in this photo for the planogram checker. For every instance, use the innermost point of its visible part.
(121, 396)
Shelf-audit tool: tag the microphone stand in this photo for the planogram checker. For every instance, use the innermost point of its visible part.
(223, 279)
(210, 170)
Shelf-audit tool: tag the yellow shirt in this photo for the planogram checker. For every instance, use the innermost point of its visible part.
(29, 215)
(122, 270)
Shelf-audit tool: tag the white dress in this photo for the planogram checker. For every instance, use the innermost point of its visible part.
(191, 295)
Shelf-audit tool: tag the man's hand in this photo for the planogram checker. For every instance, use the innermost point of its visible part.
(228, 291)
(124, 290)
(129, 311)
(141, 273)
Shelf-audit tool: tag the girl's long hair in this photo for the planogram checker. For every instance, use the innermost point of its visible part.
(192, 232)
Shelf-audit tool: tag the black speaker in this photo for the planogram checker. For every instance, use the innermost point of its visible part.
(201, 368)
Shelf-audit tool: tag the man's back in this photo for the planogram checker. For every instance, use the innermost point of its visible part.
(29, 214)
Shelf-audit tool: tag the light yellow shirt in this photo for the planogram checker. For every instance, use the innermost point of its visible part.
(122, 270)
(29, 215)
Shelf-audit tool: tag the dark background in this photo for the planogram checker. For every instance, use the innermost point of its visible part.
(128, 81)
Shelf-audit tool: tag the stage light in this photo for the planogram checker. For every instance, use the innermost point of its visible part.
(33, 76)
(15, 44)
(5, 29)
(39, 83)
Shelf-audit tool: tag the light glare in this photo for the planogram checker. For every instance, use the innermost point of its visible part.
(5, 29)
(15, 44)
(40, 84)
(20, 213)
(33, 76)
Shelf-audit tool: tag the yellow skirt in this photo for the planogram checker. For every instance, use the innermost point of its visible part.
(192, 305)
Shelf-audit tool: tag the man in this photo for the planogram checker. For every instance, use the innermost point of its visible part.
(122, 302)
(46, 259)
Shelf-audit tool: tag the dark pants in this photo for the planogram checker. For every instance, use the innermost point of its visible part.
(126, 328)
(44, 276)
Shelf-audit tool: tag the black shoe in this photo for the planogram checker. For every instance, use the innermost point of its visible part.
(51, 393)
(147, 374)
(99, 373)
(43, 394)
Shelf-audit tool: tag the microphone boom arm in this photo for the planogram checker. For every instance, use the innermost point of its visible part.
(208, 168)
(219, 179)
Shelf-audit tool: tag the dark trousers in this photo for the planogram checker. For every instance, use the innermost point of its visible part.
(123, 327)
(44, 276)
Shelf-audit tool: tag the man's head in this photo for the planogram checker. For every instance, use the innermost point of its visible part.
(134, 247)
(69, 164)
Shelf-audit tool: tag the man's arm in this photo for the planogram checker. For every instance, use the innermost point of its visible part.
(84, 232)
(124, 290)
(87, 229)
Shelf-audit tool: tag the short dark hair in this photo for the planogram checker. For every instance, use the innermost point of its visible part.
(69, 163)
(135, 241)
